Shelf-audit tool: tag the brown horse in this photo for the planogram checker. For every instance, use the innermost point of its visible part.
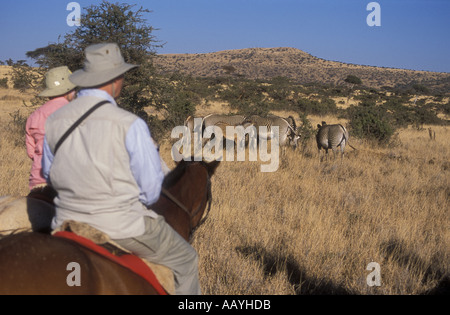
(37, 263)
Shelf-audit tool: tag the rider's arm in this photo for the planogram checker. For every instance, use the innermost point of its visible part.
(47, 160)
(145, 163)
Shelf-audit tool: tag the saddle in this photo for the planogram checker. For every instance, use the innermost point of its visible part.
(159, 276)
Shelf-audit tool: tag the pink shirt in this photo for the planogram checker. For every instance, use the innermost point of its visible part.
(35, 131)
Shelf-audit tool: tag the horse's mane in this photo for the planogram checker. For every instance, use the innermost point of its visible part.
(175, 175)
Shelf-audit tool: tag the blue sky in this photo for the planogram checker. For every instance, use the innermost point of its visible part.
(414, 34)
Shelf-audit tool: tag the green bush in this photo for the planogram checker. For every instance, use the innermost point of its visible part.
(24, 76)
(352, 79)
(370, 122)
(445, 108)
(4, 83)
(316, 107)
(17, 126)
(247, 97)
(306, 130)
(425, 115)
(179, 107)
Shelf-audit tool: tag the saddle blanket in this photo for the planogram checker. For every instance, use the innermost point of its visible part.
(127, 260)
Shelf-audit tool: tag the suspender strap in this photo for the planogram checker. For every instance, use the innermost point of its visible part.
(76, 124)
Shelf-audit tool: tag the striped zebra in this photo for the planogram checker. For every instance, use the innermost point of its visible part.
(223, 121)
(229, 120)
(288, 133)
(189, 122)
(331, 137)
(215, 120)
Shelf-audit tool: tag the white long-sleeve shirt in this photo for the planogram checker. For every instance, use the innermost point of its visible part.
(105, 166)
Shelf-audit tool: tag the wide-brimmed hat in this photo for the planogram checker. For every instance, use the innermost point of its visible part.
(57, 82)
(103, 63)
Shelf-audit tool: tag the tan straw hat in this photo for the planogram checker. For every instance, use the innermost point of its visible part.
(57, 82)
(103, 63)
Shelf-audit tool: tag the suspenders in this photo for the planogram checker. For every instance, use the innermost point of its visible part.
(76, 124)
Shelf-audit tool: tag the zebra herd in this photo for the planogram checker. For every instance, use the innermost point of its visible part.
(327, 137)
(287, 129)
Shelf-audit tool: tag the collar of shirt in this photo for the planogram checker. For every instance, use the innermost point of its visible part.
(97, 93)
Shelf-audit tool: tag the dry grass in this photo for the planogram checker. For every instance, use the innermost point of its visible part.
(312, 228)
(14, 162)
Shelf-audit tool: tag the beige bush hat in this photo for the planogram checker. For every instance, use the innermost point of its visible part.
(57, 82)
(103, 63)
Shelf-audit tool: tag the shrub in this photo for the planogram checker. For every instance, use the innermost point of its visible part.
(4, 83)
(306, 130)
(247, 97)
(445, 108)
(316, 107)
(352, 79)
(370, 122)
(23, 76)
(179, 107)
(17, 126)
(424, 115)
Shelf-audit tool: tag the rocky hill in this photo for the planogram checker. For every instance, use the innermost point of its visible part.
(266, 63)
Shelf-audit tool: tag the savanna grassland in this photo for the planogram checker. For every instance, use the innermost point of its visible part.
(309, 227)
(312, 228)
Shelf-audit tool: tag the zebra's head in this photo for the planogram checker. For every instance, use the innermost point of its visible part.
(294, 136)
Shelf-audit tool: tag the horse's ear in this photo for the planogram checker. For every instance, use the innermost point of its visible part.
(319, 126)
(211, 167)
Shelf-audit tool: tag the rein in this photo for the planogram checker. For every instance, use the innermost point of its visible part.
(172, 198)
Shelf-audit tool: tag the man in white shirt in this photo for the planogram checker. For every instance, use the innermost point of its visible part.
(108, 169)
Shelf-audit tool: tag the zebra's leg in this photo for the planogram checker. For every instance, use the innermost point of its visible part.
(342, 150)
(334, 149)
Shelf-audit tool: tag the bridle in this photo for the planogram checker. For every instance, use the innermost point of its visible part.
(192, 228)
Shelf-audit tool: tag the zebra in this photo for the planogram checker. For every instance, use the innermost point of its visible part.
(218, 120)
(223, 121)
(229, 120)
(215, 120)
(189, 122)
(288, 131)
(331, 137)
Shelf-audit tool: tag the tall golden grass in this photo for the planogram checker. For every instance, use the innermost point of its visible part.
(310, 227)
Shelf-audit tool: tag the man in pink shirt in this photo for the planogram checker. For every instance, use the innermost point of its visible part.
(60, 91)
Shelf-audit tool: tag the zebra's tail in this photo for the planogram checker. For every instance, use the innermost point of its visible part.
(346, 136)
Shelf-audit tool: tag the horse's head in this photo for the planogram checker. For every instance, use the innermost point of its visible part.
(186, 194)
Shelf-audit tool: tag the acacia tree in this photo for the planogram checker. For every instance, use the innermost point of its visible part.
(353, 80)
(120, 23)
